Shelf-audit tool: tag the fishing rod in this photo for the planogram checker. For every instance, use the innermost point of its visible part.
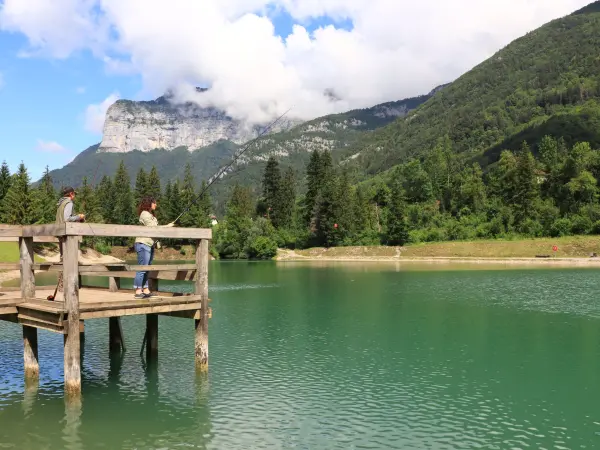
(218, 175)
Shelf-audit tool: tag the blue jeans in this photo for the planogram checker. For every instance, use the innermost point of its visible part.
(145, 255)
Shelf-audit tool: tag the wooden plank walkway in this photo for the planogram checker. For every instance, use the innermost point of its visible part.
(93, 304)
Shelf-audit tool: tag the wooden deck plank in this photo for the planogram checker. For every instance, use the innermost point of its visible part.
(111, 267)
(95, 303)
(148, 309)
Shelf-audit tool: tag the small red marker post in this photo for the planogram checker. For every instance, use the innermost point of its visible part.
(554, 248)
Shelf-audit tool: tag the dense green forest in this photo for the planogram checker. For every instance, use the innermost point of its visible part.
(435, 198)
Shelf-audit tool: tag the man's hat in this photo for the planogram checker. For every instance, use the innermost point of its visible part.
(67, 190)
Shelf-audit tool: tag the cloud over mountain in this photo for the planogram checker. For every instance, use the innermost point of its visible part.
(392, 49)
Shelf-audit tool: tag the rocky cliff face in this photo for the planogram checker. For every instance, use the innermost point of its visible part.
(158, 124)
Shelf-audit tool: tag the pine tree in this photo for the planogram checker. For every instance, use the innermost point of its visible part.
(175, 206)
(4, 180)
(105, 193)
(193, 217)
(364, 220)
(327, 208)
(284, 216)
(417, 183)
(123, 203)
(141, 186)
(319, 171)
(205, 207)
(313, 182)
(88, 200)
(271, 188)
(397, 229)
(526, 183)
(235, 228)
(17, 205)
(241, 201)
(344, 210)
(44, 199)
(164, 209)
(472, 191)
(153, 185)
(548, 150)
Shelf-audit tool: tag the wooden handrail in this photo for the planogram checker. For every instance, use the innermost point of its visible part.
(112, 267)
(110, 230)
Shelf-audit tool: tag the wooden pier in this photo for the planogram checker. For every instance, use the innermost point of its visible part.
(29, 307)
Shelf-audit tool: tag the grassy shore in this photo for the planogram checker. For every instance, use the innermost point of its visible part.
(567, 247)
(9, 253)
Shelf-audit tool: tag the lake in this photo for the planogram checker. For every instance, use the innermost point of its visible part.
(335, 356)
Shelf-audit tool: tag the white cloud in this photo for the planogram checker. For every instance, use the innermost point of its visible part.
(80, 90)
(49, 147)
(1, 80)
(96, 113)
(396, 49)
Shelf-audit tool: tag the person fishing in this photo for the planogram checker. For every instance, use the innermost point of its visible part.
(144, 247)
(64, 213)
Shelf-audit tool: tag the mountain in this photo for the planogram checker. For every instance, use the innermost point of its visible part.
(546, 82)
(333, 132)
(164, 124)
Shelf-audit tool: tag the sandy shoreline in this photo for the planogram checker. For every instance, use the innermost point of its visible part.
(290, 255)
(589, 262)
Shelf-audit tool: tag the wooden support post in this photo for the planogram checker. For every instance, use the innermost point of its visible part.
(27, 273)
(153, 284)
(152, 336)
(114, 284)
(116, 338)
(201, 288)
(72, 358)
(30, 354)
(81, 334)
(30, 340)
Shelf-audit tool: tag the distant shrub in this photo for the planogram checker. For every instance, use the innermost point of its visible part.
(581, 225)
(561, 227)
(103, 248)
(262, 247)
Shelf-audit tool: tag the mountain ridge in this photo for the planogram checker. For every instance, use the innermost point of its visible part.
(328, 132)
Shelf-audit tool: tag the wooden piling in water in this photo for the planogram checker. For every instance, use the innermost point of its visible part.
(151, 336)
(30, 341)
(116, 340)
(72, 356)
(201, 288)
(30, 354)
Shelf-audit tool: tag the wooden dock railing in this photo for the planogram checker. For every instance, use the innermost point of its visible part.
(79, 302)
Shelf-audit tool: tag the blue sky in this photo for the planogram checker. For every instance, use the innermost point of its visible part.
(43, 100)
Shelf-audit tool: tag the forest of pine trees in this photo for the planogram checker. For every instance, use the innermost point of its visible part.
(440, 197)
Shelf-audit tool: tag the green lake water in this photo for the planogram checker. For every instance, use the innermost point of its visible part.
(334, 356)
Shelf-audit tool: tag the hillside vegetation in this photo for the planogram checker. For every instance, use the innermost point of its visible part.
(546, 82)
